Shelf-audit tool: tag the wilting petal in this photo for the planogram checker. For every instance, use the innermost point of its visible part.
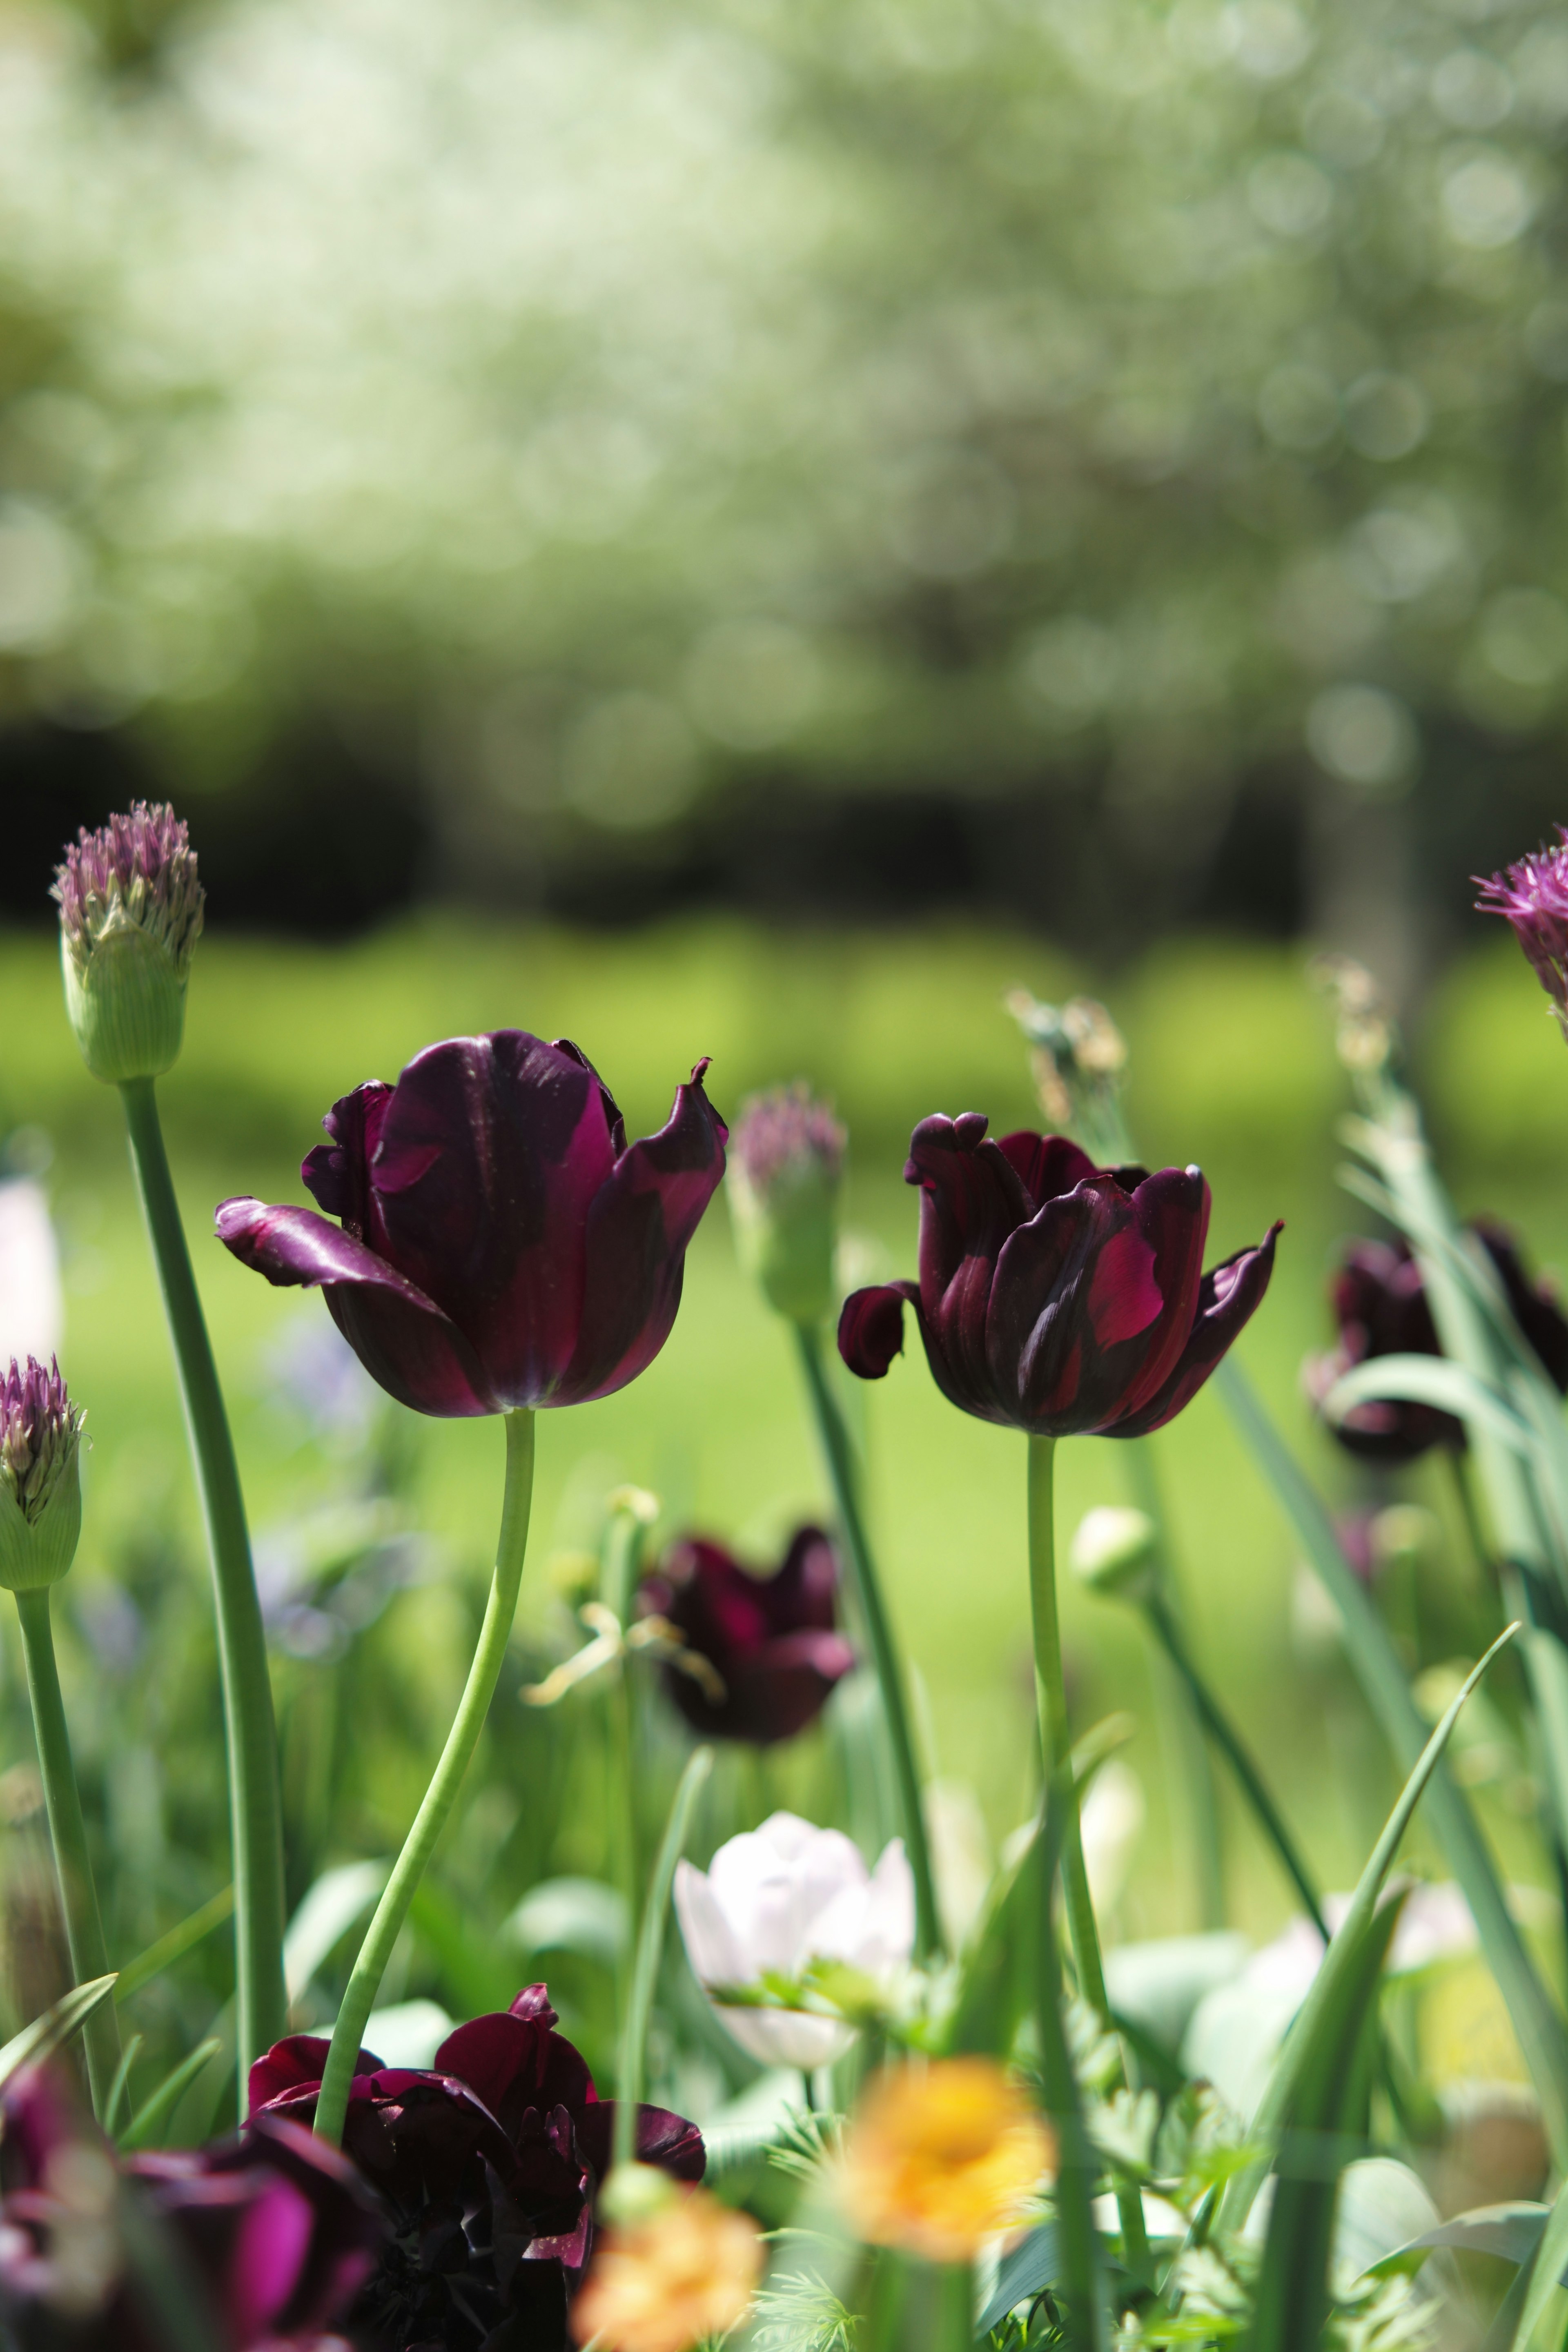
(872, 1327)
(1230, 1295)
(400, 1336)
(640, 1225)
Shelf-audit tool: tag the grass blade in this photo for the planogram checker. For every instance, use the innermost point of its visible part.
(174, 1946)
(54, 2029)
(1536, 2020)
(650, 1946)
(122, 2082)
(1433, 1380)
(1546, 2283)
(154, 2111)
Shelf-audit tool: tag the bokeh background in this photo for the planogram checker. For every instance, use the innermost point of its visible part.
(731, 527)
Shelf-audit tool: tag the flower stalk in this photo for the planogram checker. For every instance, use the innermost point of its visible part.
(68, 1834)
(836, 1447)
(255, 1799)
(429, 1823)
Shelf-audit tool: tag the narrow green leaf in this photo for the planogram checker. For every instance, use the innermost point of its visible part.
(121, 2084)
(650, 1946)
(154, 2111)
(995, 1985)
(1432, 1380)
(174, 1946)
(1536, 2020)
(1512, 2233)
(54, 2029)
(1082, 2258)
(1546, 2283)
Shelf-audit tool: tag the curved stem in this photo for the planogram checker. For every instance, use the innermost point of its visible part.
(836, 1445)
(1180, 1723)
(384, 1929)
(68, 1834)
(255, 1800)
(1228, 1740)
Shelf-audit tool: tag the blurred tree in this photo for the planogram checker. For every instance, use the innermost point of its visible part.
(1126, 442)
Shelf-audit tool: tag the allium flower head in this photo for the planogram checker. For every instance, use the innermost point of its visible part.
(941, 2158)
(785, 1169)
(40, 1485)
(1532, 895)
(130, 913)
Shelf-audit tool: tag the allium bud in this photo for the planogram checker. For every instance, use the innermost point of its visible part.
(1079, 1059)
(786, 1164)
(1114, 1550)
(130, 914)
(40, 1480)
(1533, 896)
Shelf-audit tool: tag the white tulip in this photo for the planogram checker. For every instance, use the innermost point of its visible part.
(32, 1307)
(774, 1900)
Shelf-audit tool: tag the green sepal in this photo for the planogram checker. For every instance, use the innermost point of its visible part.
(126, 1003)
(785, 1239)
(39, 1551)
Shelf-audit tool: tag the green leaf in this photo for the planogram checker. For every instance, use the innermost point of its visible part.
(1511, 2232)
(1082, 2259)
(570, 1914)
(650, 1946)
(1537, 2022)
(122, 2082)
(327, 1911)
(54, 2029)
(1383, 2205)
(174, 1946)
(1432, 1380)
(154, 2111)
(1159, 1984)
(474, 1974)
(996, 1976)
(1545, 2284)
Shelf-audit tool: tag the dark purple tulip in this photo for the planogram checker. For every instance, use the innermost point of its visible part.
(1056, 1296)
(771, 1640)
(499, 1244)
(277, 2233)
(1532, 895)
(487, 2164)
(1380, 1305)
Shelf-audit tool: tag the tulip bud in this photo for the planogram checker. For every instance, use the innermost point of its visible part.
(40, 1481)
(130, 914)
(1114, 1550)
(785, 1169)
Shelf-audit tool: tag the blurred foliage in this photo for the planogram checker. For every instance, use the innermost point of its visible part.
(593, 409)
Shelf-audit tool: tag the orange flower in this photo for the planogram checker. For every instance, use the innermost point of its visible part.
(941, 2158)
(662, 2284)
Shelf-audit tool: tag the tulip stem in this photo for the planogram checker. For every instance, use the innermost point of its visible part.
(835, 1446)
(331, 2105)
(255, 1811)
(1056, 1746)
(68, 1834)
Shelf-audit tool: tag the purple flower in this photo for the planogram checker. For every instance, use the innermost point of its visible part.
(1532, 895)
(771, 1640)
(40, 1476)
(1056, 1296)
(277, 2234)
(1381, 1308)
(499, 1244)
(488, 2164)
(130, 913)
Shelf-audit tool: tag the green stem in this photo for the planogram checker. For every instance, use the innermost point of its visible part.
(834, 1439)
(1056, 1746)
(956, 2307)
(645, 1969)
(384, 1929)
(255, 1801)
(1227, 1739)
(73, 1867)
(1181, 1725)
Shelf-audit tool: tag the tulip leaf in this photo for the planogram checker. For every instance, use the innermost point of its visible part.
(52, 2031)
(1369, 1652)
(338, 1899)
(174, 1946)
(995, 1985)
(1543, 2296)
(1311, 2046)
(650, 1948)
(570, 1914)
(155, 2110)
(1433, 1380)
(1511, 2232)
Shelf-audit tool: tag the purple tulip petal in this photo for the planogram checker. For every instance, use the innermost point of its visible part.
(400, 1336)
(639, 1226)
(1046, 1165)
(295, 2064)
(512, 2063)
(1230, 1295)
(337, 1174)
(804, 1590)
(1045, 1368)
(872, 1327)
(662, 2138)
(972, 1198)
(1173, 1212)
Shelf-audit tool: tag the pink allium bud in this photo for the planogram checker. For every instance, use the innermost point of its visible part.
(130, 914)
(1532, 895)
(40, 1489)
(785, 1168)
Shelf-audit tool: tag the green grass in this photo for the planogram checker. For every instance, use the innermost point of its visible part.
(1231, 1066)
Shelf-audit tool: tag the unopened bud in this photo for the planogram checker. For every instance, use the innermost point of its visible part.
(40, 1477)
(786, 1164)
(130, 914)
(1077, 1057)
(1114, 1550)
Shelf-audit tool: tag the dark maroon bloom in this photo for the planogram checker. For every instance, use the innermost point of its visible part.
(1532, 895)
(500, 1243)
(771, 1640)
(1056, 1296)
(276, 2234)
(1380, 1305)
(487, 2164)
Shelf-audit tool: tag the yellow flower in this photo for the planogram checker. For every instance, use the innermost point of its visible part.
(941, 2158)
(662, 2284)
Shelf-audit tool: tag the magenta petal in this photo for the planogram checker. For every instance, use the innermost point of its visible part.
(293, 2063)
(1230, 1294)
(1047, 1165)
(638, 1231)
(1043, 1371)
(662, 2138)
(872, 1327)
(337, 1174)
(972, 1198)
(804, 1590)
(512, 2063)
